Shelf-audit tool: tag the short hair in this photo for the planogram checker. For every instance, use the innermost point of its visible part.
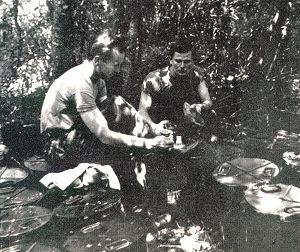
(181, 46)
(102, 46)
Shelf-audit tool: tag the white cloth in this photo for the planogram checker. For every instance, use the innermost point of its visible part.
(64, 179)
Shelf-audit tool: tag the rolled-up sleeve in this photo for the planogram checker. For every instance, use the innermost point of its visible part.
(85, 101)
(147, 87)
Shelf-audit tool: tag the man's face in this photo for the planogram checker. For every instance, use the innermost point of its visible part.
(113, 65)
(181, 64)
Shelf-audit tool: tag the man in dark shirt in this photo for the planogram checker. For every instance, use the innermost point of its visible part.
(176, 93)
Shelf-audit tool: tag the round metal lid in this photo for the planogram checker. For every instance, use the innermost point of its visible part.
(12, 174)
(13, 196)
(278, 199)
(108, 235)
(36, 163)
(245, 172)
(28, 246)
(22, 219)
(88, 204)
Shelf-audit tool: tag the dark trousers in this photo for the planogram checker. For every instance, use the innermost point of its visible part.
(67, 148)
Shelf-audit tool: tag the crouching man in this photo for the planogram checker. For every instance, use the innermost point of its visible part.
(71, 117)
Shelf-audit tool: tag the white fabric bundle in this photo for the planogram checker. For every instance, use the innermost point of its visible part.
(90, 171)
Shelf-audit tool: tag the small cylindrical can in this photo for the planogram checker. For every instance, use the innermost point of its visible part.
(162, 220)
(173, 196)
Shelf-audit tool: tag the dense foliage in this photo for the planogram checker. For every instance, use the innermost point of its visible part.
(249, 49)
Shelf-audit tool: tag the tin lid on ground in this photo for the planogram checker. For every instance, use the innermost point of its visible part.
(245, 172)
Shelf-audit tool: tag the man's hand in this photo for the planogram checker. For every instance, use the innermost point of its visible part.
(160, 129)
(141, 128)
(193, 113)
(161, 142)
(196, 108)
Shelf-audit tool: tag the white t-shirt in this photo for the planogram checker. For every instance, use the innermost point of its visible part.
(72, 93)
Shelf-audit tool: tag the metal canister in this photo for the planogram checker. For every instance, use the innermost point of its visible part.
(162, 220)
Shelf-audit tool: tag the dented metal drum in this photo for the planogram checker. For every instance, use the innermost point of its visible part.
(245, 172)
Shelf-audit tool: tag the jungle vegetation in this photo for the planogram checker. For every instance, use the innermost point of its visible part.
(249, 50)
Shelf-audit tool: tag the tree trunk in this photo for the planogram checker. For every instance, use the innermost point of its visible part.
(18, 54)
(63, 36)
(136, 44)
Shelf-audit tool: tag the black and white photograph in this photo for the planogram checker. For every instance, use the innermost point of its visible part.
(149, 125)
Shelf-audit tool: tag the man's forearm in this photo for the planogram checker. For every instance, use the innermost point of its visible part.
(124, 140)
(97, 124)
(147, 119)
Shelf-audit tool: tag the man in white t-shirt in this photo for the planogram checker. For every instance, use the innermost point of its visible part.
(71, 116)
